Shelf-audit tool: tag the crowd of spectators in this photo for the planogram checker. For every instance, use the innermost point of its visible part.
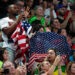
(56, 16)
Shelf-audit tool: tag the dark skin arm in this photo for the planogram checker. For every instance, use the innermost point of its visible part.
(9, 30)
(51, 12)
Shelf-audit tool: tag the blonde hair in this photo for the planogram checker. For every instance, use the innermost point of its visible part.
(68, 69)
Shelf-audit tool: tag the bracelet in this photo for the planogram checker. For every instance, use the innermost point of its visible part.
(59, 67)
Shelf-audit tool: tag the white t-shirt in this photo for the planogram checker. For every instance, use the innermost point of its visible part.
(4, 22)
(47, 13)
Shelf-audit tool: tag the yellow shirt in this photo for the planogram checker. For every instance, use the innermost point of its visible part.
(56, 73)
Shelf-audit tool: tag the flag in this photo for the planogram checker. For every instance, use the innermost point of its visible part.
(27, 27)
(42, 41)
(21, 43)
(35, 58)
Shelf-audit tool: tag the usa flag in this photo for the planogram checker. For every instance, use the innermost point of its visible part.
(27, 27)
(41, 42)
(21, 42)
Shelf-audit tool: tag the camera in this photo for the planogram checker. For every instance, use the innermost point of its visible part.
(5, 71)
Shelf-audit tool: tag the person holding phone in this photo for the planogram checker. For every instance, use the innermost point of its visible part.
(48, 69)
(8, 26)
(20, 70)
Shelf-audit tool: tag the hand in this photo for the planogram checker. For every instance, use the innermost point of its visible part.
(57, 60)
(10, 23)
(47, 20)
(26, 11)
(21, 15)
(26, 14)
(52, 8)
(59, 64)
(22, 70)
(70, 15)
(34, 34)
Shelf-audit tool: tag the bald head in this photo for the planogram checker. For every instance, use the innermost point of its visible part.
(12, 9)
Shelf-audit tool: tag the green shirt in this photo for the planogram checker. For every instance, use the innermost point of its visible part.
(1, 63)
(35, 18)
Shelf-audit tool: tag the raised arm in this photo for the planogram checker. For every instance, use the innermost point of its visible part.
(64, 24)
(21, 70)
(59, 68)
(9, 30)
(51, 70)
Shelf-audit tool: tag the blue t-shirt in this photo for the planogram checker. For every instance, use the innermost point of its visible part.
(71, 58)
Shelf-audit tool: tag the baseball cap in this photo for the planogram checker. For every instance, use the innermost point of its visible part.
(59, 6)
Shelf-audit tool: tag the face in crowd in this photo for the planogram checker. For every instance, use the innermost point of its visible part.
(62, 11)
(10, 66)
(13, 9)
(39, 11)
(56, 24)
(45, 66)
(20, 5)
(51, 55)
(30, 3)
(65, 2)
(4, 55)
(63, 32)
(71, 68)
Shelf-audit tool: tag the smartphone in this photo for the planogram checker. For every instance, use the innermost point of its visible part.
(6, 71)
(22, 11)
(21, 63)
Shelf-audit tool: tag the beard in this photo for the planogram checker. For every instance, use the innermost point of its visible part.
(15, 14)
(61, 14)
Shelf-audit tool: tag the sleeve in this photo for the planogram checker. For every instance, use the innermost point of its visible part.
(47, 13)
(3, 24)
(54, 13)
